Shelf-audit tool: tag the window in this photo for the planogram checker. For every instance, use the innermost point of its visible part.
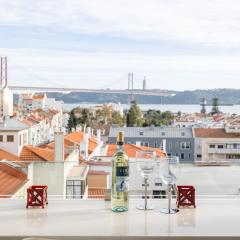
(185, 145)
(20, 140)
(156, 144)
(220, 146)
(146, 144)
(182, 134)
(234, 146)
(158, 182)
(74, 189)
(163, 133)
(233, 156)
(1, 138)
(182, 156)
(199, 155)
(10, 138)
(211, 146)
(141, 133)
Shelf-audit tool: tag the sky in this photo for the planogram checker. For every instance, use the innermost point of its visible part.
(176, 44)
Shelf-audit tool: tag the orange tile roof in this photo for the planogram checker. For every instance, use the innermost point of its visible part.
(30, 153)
(96, 192)
(131, 149)
(76, 138)
(10, 157)
(38, 96)
(214, 133)
(30, 121)
(11, 179)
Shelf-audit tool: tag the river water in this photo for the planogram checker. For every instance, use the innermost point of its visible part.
(163, 107)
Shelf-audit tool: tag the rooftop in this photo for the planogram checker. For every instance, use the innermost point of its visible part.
(11, 179)
(31, 153)
(214, 133)
(75, 138)
(131, 149)
(12, 124)
(152, 132)
(94, 218)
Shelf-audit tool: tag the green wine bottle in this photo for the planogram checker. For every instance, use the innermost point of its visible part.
(120, 177)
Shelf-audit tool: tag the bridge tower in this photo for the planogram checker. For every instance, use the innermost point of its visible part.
(130, 87)
(144, 84)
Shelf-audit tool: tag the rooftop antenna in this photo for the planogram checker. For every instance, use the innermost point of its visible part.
(203, 103)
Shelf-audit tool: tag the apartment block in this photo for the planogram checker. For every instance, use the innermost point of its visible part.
(175, 141)
(216, 145)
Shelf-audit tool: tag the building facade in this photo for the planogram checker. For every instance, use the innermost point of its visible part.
(216, 145)
(174, 140)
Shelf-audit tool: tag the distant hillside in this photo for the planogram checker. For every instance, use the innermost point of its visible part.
(226, 96)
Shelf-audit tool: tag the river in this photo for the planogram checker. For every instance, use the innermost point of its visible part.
(189, 108)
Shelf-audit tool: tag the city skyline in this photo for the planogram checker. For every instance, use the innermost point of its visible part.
(175, 44)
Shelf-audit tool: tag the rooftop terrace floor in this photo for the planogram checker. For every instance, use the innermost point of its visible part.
(94, 218)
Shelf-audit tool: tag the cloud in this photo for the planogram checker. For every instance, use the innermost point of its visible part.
(207, 22)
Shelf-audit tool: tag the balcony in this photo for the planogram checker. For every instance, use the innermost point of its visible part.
(93, 218)
(217, 212)
(223, 151)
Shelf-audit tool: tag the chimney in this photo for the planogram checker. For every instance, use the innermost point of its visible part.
(164, 145)
(84, 146)
(89, 131)
(59, 147)
(98, 136)
(138, 144)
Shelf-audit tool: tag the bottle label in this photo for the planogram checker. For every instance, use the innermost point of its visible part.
(122, 179)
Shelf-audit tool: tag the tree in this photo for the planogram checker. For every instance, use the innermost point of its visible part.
(79, 117)
(73, 120)
(157, 118)
(134, 116)
(117, 118)
(104, 114)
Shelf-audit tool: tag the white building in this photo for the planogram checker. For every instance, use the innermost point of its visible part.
(28, 102)
(13, 136)
(64, 176)
(38, 131)
(6, 102)
(215, 145)
(53, 121)
(39, 101)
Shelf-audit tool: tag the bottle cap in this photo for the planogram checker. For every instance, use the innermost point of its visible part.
(120, 137)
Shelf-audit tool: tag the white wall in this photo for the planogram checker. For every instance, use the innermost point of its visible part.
(53, 174)
(7, 102)
(14, 147)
